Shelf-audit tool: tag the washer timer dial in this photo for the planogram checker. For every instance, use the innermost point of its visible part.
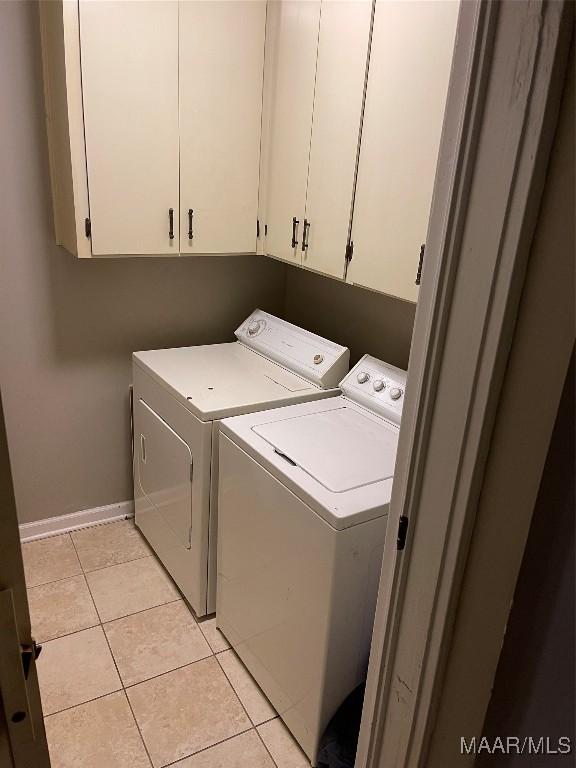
(255, 327)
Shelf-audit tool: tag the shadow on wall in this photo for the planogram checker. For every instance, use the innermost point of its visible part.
(364, 321)
(533, 693)
(113, 307)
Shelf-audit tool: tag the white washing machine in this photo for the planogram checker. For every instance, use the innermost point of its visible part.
(179, 397)
(303, 503)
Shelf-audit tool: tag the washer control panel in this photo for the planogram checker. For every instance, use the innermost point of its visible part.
(377, 386)
(313, 357)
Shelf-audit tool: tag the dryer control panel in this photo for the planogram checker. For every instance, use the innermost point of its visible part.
(378, 386)
(320, 361)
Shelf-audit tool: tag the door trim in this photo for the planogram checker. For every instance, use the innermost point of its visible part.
(502, 110)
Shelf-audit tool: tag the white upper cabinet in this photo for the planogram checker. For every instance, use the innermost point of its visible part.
(291, 52)
(340, 77)
(410, 60)
(129, 54)
(221, 73)
(306, 130)
(154, 111)
(315, 70)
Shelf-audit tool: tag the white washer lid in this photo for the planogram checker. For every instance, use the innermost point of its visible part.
(342, 448)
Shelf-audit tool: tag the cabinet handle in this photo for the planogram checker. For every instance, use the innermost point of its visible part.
(304, 235)
(190, 215)
(171, 220)
(420, 263)
(295, 223)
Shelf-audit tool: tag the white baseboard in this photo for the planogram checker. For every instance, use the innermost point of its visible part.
(52, 526)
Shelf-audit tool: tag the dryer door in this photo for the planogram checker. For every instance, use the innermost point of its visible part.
(165, 467)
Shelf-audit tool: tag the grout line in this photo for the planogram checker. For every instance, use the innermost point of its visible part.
(251, 678)
(142, 610)
(114, 565)
(254, 727)
(81, 629)
(137, 727)
(83, 571)
(62, 578)
(269, 720)
(88, 701)
(89, 590)
(126, 615)
(44, 640)
(234, 689)
(205, 749)
(265, 745)
(55, 581)
(167, 672)
(123, 687)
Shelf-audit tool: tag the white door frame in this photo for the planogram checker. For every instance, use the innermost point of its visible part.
(503, 102)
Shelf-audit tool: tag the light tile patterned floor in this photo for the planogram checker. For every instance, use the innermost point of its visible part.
(128, 677)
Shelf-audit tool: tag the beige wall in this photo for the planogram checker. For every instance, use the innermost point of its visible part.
(363, 320)
(68, 327)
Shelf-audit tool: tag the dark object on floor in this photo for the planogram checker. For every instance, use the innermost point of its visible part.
(338, 745)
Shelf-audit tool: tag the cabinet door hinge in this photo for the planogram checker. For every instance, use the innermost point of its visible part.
(402, 531)
(191, 471)
(257, 229)
(420, 262)
(88, 227)
(349, 252)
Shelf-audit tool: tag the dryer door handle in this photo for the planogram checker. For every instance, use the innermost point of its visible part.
(143, 448)
(191, 503)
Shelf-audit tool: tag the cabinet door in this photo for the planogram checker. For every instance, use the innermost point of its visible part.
(340, 76)
(292, 44)
(410, 59)
(221, 73)
(129, 56)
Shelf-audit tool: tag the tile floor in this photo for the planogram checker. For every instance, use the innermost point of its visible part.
(128, 677)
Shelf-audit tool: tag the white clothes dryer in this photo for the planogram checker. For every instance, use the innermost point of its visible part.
(179, 397)
(303, 504)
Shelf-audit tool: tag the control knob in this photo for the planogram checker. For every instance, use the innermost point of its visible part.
(362, 377)
(253, 328)
(379, 385)
(395, 393)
